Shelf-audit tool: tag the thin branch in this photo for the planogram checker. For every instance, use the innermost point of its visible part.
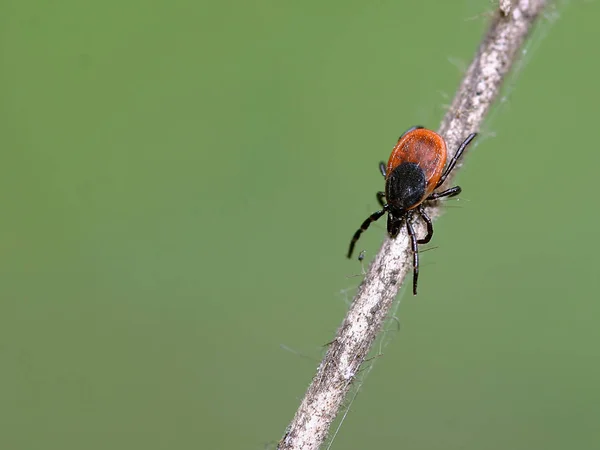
(482, 82)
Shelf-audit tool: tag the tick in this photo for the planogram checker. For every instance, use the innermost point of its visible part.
(416, 168)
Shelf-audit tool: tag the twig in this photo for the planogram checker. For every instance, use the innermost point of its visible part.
(497, 52)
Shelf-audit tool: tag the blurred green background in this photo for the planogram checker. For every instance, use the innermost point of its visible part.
(179, 182)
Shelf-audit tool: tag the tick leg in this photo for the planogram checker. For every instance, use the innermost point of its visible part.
(382, 168)
(415, 250)
(372, 218)
(416, 127)
(447, 193)
(380, 198)
(427, 220)
(454, 159)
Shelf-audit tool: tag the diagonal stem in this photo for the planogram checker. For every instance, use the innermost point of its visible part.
(480, 87)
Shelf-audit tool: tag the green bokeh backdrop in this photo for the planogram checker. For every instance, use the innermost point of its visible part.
(179, 181)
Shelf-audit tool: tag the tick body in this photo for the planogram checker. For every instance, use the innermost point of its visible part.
(416, 168)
